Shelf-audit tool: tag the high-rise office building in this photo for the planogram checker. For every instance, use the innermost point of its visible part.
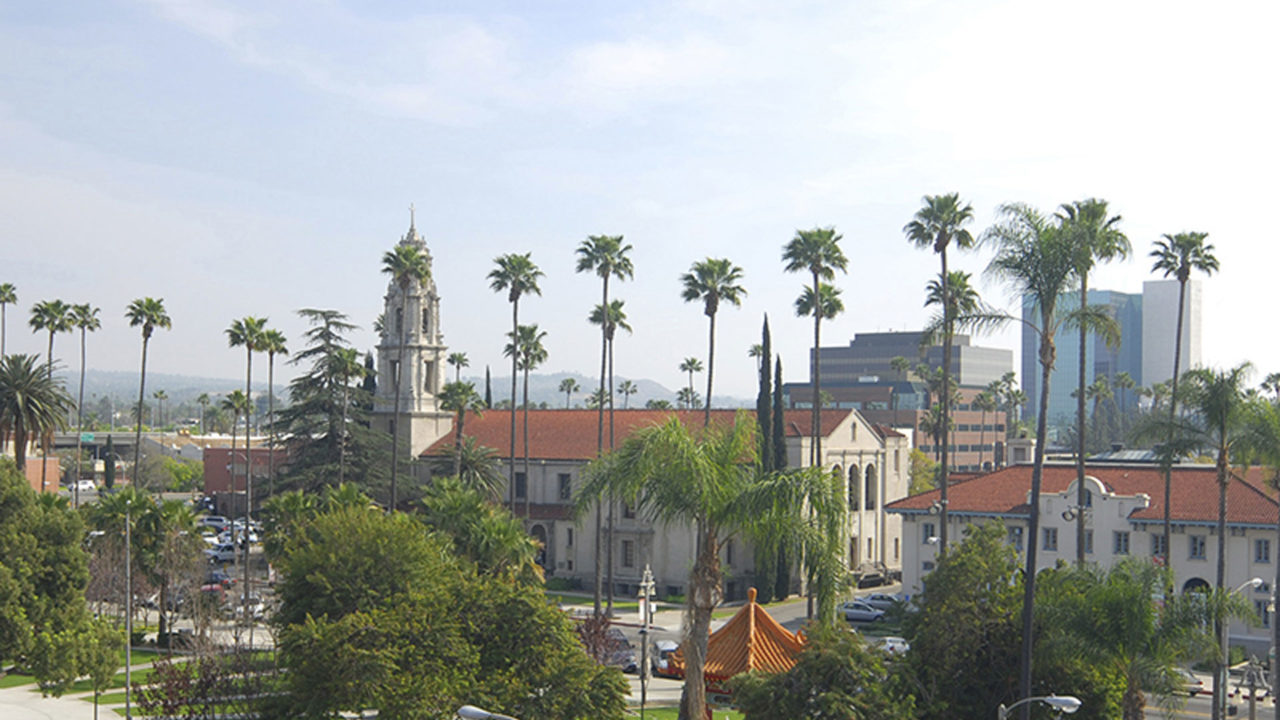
(1160, 324)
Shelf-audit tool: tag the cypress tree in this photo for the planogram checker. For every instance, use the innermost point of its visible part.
(109, 465)
(779, 423)
(488, 389)
(764, 397)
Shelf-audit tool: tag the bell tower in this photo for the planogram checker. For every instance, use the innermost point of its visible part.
(410, 342)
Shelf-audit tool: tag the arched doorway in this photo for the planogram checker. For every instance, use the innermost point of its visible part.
(1196, 585)
(870, 493)
(854, 494)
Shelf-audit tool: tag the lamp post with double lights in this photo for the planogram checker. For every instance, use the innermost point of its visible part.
(646, 597)
(1062, 703)
(1220, 672)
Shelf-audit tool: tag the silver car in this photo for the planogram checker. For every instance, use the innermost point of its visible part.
(858, 611)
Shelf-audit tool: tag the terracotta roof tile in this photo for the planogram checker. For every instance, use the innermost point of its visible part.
(571, 434)
(1194, 492)
(751, 640)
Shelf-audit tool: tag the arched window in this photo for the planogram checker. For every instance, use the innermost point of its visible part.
(854, 488)
(870, 493)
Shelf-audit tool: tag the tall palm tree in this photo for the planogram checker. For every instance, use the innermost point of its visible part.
(626, 389)
(1218, 424)
(52, 316)
(713, 280)
(203, 401)
(458, 360)
(1099, 391)
(85, 318)
(1124, 382)
(935, 226)
(343, 364)
(518, 275)
(160, 396)
(606, 256)
(827, 306)
(459, 397)
(817, 252)
(1097, 238)
(526, 346)
(237, 404)
(691, 365)
(900, 365)
(1037, 261)
(31, 404)
(688, 398)
(148, 314)
(610, 318)
(986, 402)
(408, 267)
(273, 343)
(8, 295)
(706, 479)
(569, 386)
(247, 333)
(1178, 255)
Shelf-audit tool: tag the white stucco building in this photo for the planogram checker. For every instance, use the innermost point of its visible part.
(1124, 517)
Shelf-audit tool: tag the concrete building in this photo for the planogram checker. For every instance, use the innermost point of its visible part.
(861, 377)
(1124, 518)
(1160, 325)
(872, 460)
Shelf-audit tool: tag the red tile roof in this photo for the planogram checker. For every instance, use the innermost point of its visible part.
(571, 434)
(1194, 493)
(751, 640)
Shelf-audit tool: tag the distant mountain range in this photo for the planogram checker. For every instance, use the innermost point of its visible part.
(181, 389)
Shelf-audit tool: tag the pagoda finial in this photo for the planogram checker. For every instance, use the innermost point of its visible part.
(411, 219)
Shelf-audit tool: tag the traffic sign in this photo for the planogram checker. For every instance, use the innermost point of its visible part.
(86, 437)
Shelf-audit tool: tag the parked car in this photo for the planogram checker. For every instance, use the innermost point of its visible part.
(892, 644)
(221, 553)
(871, 579)
(85, 486)
(218, 577)
(1191, 685)
(217, 522)
(621, 654)
(858, 611)
(661, 663)
(883, 601)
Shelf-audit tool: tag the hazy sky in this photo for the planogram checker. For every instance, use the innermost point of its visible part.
(254, 157)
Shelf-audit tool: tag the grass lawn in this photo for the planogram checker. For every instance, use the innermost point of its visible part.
(730, 611)
(15, 679)
(115, 698)
(142, 675)
(671, 713)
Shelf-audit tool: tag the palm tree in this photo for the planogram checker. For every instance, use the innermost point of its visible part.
(149, 314)
(986, 402)
(458, 360)
(712, 281)
(85, 318)
(1219, 424)
(408, 266)
(459, 397)
(610, 318)
(1124, 382)
(237, 404)
(935, 226)
(626, 389)
(900, 365)
(688, 398)
(32, 405)
(53, 316)
(706, 480)
(1097, 238)
(1178, 255)
(1271, 384)
(826, 306)
(569, 386)
(249, 334)
(344, 364)
(606, 256)
(273, 343)
(1099, 392)
(817, 252)
(8, 295)
(691, 365)
(526, 345)
(657, 404)
(160, 396)
(517, 275)
(1037, 261)
(203, 402)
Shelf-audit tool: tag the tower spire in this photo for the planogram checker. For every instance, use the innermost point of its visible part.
(411, 219)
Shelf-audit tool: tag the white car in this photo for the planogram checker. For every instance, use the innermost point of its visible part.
(85, 486)
(221, 553)
(892, 644)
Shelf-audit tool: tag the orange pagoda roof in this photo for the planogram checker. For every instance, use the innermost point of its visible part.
(751, 640)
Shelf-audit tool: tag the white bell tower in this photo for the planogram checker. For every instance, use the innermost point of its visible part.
(414, 320)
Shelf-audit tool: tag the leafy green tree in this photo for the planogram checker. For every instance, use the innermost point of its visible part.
(32, 404)
(148, 314)
(101, 658)
(712, 281)
(1036, 259)
(273, 343)
(1178, 255)
(817, 252)
(518, 275)
(837, 675)
(656, 404)
(487, 535)
(922, 471)
(85, 319)
(8, 296)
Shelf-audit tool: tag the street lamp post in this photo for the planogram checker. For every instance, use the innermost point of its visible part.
(1062, 703)
(646, 597)
(1220, 676)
